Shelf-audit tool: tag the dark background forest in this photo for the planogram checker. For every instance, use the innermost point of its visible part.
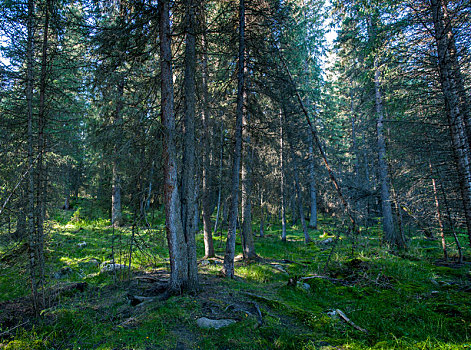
(168, 163)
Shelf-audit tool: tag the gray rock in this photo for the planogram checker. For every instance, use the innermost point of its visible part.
(63, 272)
(327, 241)
(207, 323)
(110, 267)
(304, 286)
(90, 262)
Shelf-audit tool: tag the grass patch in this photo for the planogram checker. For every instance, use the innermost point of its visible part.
(405, 300)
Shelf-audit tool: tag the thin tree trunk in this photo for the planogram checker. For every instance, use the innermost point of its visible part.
(149, 189)
(248, 247)
(390, 234)
(294, 209)
(312, 186)
(189, 199)
(450, 220)
(31, 187)
(208, 237)
(116, 210)
(262, 215)
(175, 237)
(307, 239)
(439, 215)
(228, 268)
(316, 139)
(41, 187)
(282, 171)
(219, 189)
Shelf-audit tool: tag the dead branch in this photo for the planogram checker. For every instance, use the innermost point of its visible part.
(350, 322)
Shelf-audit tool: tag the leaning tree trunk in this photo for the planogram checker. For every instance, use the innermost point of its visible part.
(175, 237)
(454, 110)
(228, 269)
(456, 69)
(189, 200)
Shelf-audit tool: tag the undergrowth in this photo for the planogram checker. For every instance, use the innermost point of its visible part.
(403, 300)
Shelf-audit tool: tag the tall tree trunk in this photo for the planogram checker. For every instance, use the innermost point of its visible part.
(282, 172)
(312, 185)
(450, 220)
(208, 237)
(248, 247)
(307, 239)
(31, 186)
(439, 215)
(390, 234)
(262, 215)
(294, 209)
(228, 268)
(116, 210)
(456, 69)
(189, 200)
(41, 182)
(218, 207)
(454, 110)
(173, 219)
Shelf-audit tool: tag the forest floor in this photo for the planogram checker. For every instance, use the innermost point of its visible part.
(366, 298)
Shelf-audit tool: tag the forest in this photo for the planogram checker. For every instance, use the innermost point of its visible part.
(245, 174)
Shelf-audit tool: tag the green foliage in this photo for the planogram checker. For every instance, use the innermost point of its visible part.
(404, 302)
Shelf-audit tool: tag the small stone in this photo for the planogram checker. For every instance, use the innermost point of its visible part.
(326, 241)
(332, 314)
(207, 323)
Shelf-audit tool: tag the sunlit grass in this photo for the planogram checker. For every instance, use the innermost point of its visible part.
(403, 299)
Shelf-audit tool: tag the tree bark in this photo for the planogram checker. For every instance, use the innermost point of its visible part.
(390, 234)
(228, 269)
(307, 239)
(218, 207)
(189, 200)
(438, 212)
(175, 237)
(312, 185)
(116, 210)
(248, 248)
(208, 237)
(282, 171)
(454, 110)
(31, 186)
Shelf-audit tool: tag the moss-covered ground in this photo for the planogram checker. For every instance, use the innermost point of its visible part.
(402, 300)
